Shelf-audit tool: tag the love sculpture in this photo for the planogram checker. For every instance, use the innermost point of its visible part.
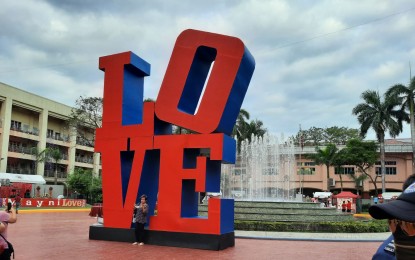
(140, 155)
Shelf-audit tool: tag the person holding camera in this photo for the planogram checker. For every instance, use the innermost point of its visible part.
(6, 217)
(140, 220)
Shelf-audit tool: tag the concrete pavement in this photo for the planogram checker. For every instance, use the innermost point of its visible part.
(56, 235)
(362, 237)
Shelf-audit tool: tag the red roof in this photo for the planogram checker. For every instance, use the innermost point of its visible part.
(346, 194)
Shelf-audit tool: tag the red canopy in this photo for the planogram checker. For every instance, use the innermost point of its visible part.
(346, 194)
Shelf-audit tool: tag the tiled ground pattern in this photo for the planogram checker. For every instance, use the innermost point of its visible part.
(65, 236)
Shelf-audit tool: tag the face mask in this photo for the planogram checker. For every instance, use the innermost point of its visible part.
(404, 245)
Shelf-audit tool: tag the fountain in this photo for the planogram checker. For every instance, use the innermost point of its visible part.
(264, 171)
(262, 183)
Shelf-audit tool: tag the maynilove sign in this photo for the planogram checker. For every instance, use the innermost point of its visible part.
(203, 89)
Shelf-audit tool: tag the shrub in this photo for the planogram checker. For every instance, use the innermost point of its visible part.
(369, 226)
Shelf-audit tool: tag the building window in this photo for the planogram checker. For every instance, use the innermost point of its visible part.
(15, 125)
(306, 171)
(387, 163)
(269, 171)
(50, 133)
(306, 164)
(344, 170)
(388, 171)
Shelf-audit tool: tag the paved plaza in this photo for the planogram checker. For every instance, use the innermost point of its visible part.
(64, 235)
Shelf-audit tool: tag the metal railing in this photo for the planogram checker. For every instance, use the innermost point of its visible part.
(64, 138)
(85, 142)
(21, 149)
(84, 159)
(20, 170)
(26, 129)
(51, 174)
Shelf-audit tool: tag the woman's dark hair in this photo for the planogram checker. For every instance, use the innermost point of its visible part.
(143, 196)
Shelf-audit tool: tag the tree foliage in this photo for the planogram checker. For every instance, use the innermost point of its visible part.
(361, 154)
(54, 154)
(382, 115)
(326, 156)
(40, 156)
(85, 117)
(84, 183)
(245, 129)
(316, 136)
(407, 93)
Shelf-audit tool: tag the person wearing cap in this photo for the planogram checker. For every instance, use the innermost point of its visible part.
(401, 218)
(140, 220)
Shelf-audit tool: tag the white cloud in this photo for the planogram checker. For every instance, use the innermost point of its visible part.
(314, 59)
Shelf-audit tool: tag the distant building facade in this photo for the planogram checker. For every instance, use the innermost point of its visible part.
(28, 125)
(398, 162)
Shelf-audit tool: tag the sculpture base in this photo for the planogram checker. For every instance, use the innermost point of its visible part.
(164, 238)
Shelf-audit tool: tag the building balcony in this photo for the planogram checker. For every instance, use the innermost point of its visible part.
(22, 134)
(58, 140)
(87, 143)
(18, 170)
(51, 174)
(88, 160)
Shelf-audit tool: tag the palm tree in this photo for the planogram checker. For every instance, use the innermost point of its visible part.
(358, 181)
(408, 95)
(40, 156)
(241, 128)
(381, 116)
(56, 156)
(338, 162)
(256, 127)
(325, 156)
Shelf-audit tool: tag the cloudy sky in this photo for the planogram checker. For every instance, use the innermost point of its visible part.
(313, 58)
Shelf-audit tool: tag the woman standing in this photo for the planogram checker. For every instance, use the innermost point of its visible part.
(140, 220)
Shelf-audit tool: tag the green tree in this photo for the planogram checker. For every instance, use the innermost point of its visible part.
(320, 136)
(85, 183)
(338, 162)
(363, 155)
(40, 156)
(381, 116)
(358, 181)
(256, 127)
(315, 136)
(325, 156)
(56, 155)
(241, 128)
(339, 135)
(407, 93)
(85, 117)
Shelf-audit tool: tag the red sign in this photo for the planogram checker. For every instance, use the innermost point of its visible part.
(47, 203)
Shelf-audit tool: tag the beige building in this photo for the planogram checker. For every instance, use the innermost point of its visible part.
(28, 125)
(398, 162)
